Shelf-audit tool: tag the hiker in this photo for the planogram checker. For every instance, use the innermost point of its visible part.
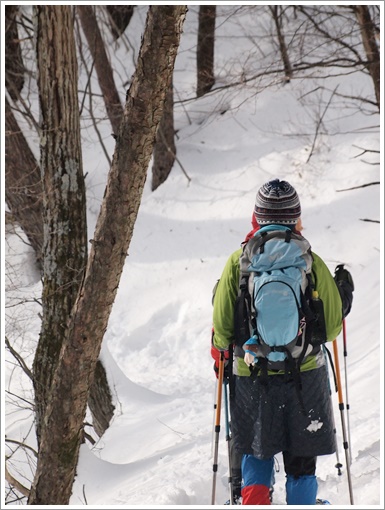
(285, 409)
(235, 455)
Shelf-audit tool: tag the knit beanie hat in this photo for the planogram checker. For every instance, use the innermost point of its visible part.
(277, 202)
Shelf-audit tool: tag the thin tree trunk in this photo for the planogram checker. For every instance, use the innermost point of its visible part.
(65, 228)
(102, 65)
(14, 67)
(23, 186)
(368, 34)
(164, 150)
(276, 11)
(62, 431)
(205, 49)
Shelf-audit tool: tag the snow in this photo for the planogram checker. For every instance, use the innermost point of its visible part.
(158, 450)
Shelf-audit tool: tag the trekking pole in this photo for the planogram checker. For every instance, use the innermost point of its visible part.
(328, 357)
(217, 423)
(215, 407)
(346, 387)
(228, 438)
(341, 408)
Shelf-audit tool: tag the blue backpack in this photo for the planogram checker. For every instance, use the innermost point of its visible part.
(278, 320)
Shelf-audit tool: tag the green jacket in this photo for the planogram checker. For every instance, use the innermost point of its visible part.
(227, 291)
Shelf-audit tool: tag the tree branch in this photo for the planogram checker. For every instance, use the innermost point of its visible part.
(12, 481)
(19, 359)
(23, 445)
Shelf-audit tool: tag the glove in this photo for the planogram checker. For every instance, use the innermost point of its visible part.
(216, 353)
(342, 275)
(345, 285)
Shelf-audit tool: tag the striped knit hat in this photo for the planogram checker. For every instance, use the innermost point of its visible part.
(277, 202)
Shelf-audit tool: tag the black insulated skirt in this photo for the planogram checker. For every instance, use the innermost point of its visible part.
(266, 417)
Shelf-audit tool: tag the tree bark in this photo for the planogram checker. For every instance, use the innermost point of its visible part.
(368, 34)
(65, 228)
(102, 65)
(205, 49)
(23, 186)
(62, 431)
(165, 149)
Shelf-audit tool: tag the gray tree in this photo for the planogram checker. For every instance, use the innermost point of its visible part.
(102, 65)
(205, 49)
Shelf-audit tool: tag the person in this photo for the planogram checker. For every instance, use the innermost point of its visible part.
(266, 415)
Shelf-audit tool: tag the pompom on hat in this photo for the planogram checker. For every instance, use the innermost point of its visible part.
(277, 202)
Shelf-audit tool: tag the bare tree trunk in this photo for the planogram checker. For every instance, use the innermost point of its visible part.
(62, 430)
(14, 67)
(120, 16)
(164, 150)
(205, 49)
(276, 11)
(102, 65)
(23, 187)
(368, 34)
(65, 228)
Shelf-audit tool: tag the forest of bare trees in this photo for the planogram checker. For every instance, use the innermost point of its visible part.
(48, 101)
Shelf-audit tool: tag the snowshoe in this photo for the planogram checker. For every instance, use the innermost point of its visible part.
(237, 500)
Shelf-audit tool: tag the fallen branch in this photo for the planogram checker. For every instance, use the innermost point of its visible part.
(371, 221)
(360, 186)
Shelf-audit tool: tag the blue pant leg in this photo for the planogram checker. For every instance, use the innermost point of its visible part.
(301, 490)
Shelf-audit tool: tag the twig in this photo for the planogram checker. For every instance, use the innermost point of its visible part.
(365, 150)
(360, 186)
(174, 155)
(176, 432)
(84, 494)
(12, 481)
(320, 122)
(184, 108)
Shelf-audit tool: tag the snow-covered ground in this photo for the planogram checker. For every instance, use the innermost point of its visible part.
(159, 447)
